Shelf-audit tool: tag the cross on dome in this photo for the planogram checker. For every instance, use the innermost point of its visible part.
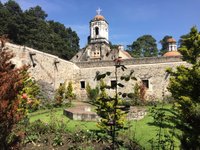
(98, 11)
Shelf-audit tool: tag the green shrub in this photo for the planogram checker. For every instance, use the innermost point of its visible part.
(60, 94)
(92, 93)
(33, 94)
(57, 141)
(185, 88)
(35, 130)
(69, 92)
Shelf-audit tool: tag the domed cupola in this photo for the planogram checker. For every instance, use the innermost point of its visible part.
(98, 18)
(98, 29)
(172, 48)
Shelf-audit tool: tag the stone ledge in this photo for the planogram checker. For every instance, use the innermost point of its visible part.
(80, 113)
(133, 61)
(84, 113)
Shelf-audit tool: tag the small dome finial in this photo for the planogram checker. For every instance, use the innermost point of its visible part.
(98, 11)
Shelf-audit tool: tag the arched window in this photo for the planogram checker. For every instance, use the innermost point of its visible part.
(96, 30)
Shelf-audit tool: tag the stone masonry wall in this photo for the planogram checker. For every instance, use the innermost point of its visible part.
(50, 71)
(154, 73)
(134, 61)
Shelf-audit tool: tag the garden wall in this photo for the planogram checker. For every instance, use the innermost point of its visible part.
(50, 71)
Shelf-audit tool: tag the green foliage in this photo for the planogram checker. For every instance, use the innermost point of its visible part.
(111, 109)
(33, 93)
(105, 109)
(185, 88)
(164, 139)
(164, 44)
(69, 92)
(60, 94)
(11, 83)
(144, 46)
(30, 28)
(138, 129)
(92, 93)
(138, 95)
(190, 46)
(57, 141)
(35, 130)
(88, 89)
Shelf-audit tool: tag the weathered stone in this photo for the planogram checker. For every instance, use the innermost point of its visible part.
(49, 75)
(84, 113)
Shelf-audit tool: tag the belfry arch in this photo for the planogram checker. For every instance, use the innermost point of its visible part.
(96, 31)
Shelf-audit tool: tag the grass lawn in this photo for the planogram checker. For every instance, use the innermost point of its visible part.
(57, 113)
(141, 130)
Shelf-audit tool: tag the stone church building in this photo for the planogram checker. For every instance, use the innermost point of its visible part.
(50, 71)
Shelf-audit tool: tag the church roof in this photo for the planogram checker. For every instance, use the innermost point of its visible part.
(171, 40)
(127, 55)
(172, 53)
(99, 18)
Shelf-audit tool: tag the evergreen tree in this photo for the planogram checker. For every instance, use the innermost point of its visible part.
(164, 44)
(30, 28)
(69, 92)
(92, 93)
(111, 109)
(60, 94)
(11, 14)
(185, 88)
(144, 46)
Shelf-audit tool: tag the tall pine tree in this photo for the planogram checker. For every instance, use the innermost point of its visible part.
(144, 46)
(32, 29)
(185, 88)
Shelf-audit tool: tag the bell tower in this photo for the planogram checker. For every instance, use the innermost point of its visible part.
(98, 29)
(172, 44)
(98, 47)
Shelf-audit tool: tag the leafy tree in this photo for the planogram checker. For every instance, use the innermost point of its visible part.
(185, 88)
(162, 117)
(164, 44)
(30, 28)
(69, 92)
(111, 109)
(139, 94)
(33, 94)
(92, 93)
(11, 14)
(88, 89)
(65, 39)
(37, 13)
(10, 85)
(144, 46)
(60, 94)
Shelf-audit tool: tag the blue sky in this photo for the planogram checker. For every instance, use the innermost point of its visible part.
(128, 19)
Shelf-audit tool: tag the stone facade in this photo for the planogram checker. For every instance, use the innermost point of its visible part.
(98, 47)
(98, 29)
(99, 52)
(49, 71)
